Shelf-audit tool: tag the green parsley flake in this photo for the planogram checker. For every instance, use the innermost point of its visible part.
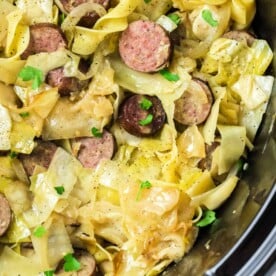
(13, 154)
(208, 17)
(174, 18)
(39, 231)
(144, 185)
(96, 132)
(24, 114)
(31, 73)
(71, 263)
(145, 104)
(61, 18)
(49, 273)
(208, 218)
(146, 121)
(59, 189)
(168, 75)
(147, 1)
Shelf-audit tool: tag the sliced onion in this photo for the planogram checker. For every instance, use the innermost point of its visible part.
(78, 12)
(166, 23)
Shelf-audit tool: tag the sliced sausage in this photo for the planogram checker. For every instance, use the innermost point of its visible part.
(86, 260)
(132, 115)
(206, 163)
(66, 85)
(90, 18)
(44, 37)
(195, 104)
(5, 215)
(145, 46)
(241, 36)
(41, 155)
(92, 150)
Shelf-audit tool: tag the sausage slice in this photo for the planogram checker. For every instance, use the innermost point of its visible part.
(206, 163)
(195, 104)
(145, 46)
(87, 262)
(41, 155)
(240, 36)
(92, 150)
(5, 215)
(133, 117)
(44, 37)
(65, 85)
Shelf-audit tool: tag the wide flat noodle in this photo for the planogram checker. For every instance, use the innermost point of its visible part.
(87, 40)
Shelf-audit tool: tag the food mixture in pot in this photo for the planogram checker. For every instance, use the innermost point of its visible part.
(124, 125)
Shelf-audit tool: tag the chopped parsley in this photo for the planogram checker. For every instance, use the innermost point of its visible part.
(208, 218)
(146, 104)
(39, 231)
(13, 154)
(31, 73)
(96, 132)
(144, 185)
(59, 189)
(147, 1)
(49, 273)
(146, 121)
(24, 114)
(208, 17)
(61, 18)
(168, 75)
(71, 263)
(174, 18)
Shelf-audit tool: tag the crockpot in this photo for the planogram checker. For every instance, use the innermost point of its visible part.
(242, 241)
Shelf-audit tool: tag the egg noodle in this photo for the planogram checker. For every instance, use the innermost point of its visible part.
(129, 229)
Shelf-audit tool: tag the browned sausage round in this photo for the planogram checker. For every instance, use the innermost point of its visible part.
(41, 155)
(240, 36)
(44, 37)
(195, 104)
(5, 215)
(206, 163)
(145, 46)
(92, 150)
(90, 18)
(133, 117)
(87, 262)
(65, 85)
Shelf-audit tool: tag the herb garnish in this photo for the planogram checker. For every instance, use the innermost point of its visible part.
(146, 121)
(144, 185)
(71, 263)
(24, 114)
(49, 273)
(13, 154)
(39, 231)
(168, 75)
(174, 18)
(147, 1)
(31, 73)
(146, 104)
(208, 17)
(59, 189)
(96, 132)
(208, 217)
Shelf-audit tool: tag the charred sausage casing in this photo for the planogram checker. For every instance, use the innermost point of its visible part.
(131, 113)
